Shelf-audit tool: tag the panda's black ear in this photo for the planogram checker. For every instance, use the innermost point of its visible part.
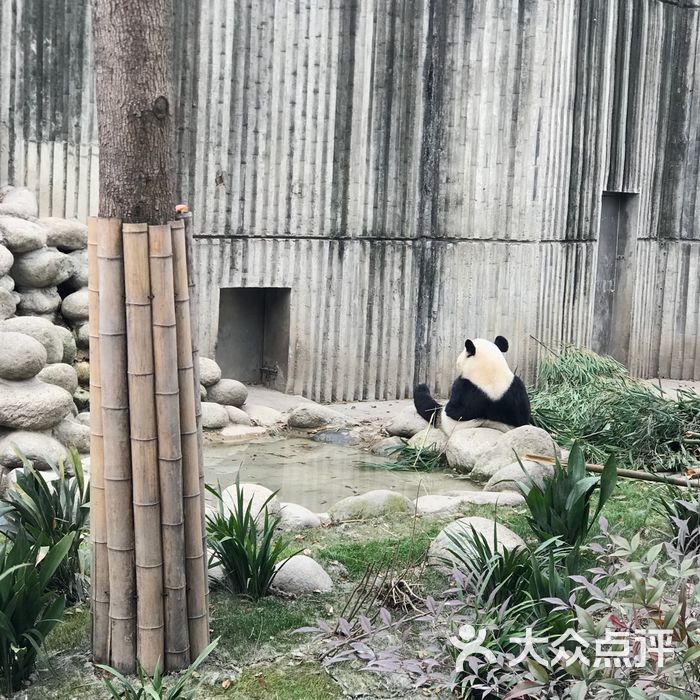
(469, 347)
(501, 343)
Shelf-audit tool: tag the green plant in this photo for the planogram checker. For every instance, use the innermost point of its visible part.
(47, 512)
(413, 458)
(561, 506)
(244, 544)
(28, 608)
(155, 688)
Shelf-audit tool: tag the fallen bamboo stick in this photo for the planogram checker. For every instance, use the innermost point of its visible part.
(144, 448)
(626, 473)
(99, 578)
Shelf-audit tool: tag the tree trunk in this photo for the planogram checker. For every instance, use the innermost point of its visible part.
(134, 97)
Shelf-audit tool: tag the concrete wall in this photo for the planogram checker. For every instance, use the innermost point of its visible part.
(416, 171)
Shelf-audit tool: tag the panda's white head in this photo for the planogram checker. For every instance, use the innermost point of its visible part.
(482, 363)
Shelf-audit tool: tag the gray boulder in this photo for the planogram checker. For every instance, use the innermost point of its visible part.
(214, 416)
(32, 405)
(228, 392)
(38, 302)
(18, 201)
(439, 553)
(83, 418)
(75, 306)
(254, 494)
(40, 449)
(46, 267)
(242, 433)
(370, 505)
(69, 346)
(407, 423)
(61, 375)
(457, 502)
(301, 574)
(263, 415)
(82, 336)
(22, 356)
(21, 236)
(522, 441)
(430, 441)
(65, 234)
(79, 278)
(6, 260)
(238, 416)
(387, 446)
(73, 433)
(466, 445)
(40, 329)
(296, 517)
(313, 415)
(209, 372)
(8, 305)
(7, 283)
(506, 478)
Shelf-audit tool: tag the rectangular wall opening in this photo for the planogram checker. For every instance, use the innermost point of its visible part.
(253, 339)
(615, 276)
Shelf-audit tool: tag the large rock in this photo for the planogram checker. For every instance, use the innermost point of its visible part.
(40, 449)
(296, 517)
(387, 447)
(465, 446)
(406, 423)
(38, 302)
(18, 201)
(33, 405)
(506, 478)
(527, 439)
(79, 278)
(60, 375)
(254, 494)
(7, 283)
(21, 357)
(82, 336)
(65, 234)
(263, 415)
(370, 505)
(75, 306)
(40, 329)
(214, 416)
(73, 433)
(8, 305)
(6, 260)
(209, 372)
(21, 236)
(313, 415)
(439, 552)
(47, 267)
(238, 416)
(430, 441)
(228, 392)
(456, 502)
(69, 346)
(301, 574)
(242, 433)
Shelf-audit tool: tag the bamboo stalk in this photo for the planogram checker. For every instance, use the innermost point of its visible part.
(177, 648)
(99, 576)
(150, 628)
(626, 473)
(194, 330)
(196, 576)
(117, 462)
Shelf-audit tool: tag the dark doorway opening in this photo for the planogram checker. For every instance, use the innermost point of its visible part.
(253, 340)
(615, 273)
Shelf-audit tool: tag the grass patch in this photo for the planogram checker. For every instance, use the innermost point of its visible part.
(72, 634)
(409, 458)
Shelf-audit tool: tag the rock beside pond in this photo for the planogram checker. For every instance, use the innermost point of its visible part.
(214, 415)
(73, 433)
(40, 329)
(209, 372)
(296, 517)
(40, 449)
(228, 392)
(65, 234)
(370, 505)
(254, 494)
(506, 477)
(33, 405)
(61, 375)
(387, 446)
(526, 439)
(263, 415)
(242, 433)
(456, 501)
(313, 415)
(238, 416)
(337, 436)
(22, 357)
(301, 574)
(439, 552)
(466, 445)
(407, 423)
(430, 440)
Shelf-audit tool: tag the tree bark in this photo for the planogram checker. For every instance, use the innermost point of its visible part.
(134, 97)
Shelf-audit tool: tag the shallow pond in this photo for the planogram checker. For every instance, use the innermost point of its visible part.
(314, 474)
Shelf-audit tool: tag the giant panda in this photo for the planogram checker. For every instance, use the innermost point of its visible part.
(486, 391)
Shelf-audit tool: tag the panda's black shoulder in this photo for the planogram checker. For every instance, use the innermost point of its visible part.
(516, 404)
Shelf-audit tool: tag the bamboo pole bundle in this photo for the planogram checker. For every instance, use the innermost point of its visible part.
(194, 553)
(144, 447)
(99, 584)
(177, 648)
(194, 329)
(117, 462)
